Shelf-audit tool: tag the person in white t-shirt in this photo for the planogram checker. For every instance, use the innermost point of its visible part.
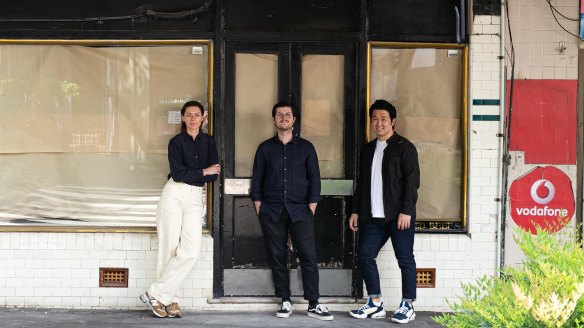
(384, 207)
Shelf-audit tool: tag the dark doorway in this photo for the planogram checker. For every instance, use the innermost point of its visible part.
(319, 79)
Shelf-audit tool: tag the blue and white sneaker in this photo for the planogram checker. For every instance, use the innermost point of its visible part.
(369, 310)
(404, 314)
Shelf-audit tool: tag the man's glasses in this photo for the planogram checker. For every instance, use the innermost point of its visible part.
(284, 115)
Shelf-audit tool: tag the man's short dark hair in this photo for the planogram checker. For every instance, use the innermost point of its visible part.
(283, 104)
(384, 105)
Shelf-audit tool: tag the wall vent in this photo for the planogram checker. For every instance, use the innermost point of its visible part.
(113, 277)
(426, 278)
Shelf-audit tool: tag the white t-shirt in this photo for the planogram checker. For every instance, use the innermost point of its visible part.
(377, 210)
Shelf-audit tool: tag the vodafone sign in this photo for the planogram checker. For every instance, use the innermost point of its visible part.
(542, 197)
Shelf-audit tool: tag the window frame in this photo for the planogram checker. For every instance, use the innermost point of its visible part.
(114, 43)
(433, 226)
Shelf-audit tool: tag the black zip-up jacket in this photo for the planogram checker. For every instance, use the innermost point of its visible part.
(400, 172)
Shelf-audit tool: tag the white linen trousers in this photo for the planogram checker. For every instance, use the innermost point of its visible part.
(178, 223)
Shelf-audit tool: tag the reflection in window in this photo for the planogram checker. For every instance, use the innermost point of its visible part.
(84, 130)
(323, 110)
(256, 92)
(426, 87)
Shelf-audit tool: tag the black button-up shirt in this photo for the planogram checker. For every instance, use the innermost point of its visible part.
(187, 158)
(286, 176)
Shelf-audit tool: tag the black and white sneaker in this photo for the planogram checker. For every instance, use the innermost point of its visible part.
(285, 310)
(320, 312)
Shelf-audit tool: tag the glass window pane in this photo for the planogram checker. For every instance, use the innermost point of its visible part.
(256, 92)
(323, 109)
(425, 85)
(84, 130)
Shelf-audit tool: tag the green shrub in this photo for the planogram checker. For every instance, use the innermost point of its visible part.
(547, 290)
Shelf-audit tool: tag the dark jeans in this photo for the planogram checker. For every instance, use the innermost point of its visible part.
(372, 237)
(276, 238)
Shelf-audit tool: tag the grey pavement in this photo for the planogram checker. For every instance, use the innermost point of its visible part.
(64, 318)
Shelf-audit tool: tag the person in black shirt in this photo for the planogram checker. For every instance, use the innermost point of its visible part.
(193, 161)
(285, 189)
(384, 207)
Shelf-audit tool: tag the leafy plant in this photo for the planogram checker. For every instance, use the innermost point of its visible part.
(547, 290)
(69, 88)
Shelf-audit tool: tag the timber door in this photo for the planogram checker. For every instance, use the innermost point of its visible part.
(320, 81)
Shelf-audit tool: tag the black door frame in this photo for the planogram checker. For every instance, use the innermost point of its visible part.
(289, 76)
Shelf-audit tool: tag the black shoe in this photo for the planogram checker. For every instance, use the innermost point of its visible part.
(320, 312)
(285, 310)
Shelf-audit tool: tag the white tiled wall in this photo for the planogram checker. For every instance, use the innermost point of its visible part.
(484, 65)
(537, 37)
(455, 258)
(62, 269)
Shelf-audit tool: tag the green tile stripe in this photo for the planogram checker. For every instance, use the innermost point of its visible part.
(485, 117)
(486, 102)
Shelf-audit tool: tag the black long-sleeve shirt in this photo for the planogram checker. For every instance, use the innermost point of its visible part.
(400, 172)
(286, 176)
(187, 158)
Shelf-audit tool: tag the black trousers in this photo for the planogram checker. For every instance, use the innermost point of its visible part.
(276, 239)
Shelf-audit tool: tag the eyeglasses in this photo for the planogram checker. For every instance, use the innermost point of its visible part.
(284, 115)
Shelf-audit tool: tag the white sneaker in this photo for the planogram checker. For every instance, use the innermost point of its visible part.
(157, 308)
(285, 310)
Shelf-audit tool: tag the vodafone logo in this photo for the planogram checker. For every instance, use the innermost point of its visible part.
(542, 191)
(543, 197)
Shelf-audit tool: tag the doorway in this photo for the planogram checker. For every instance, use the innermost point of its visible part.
(319, 80)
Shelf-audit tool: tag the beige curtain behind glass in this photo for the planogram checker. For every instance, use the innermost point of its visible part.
(75, 98)
(322, 110)
(256, 92)
(425, 85)
(84, 130)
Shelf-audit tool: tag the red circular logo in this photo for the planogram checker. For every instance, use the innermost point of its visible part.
(543, 197)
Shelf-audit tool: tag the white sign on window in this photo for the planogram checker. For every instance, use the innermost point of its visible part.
(174, 117)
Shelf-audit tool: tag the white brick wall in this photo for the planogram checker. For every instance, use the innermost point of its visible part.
(537, 38)
(62, 269)
(458, 258)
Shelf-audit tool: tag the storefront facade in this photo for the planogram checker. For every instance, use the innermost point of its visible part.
(89, 99)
